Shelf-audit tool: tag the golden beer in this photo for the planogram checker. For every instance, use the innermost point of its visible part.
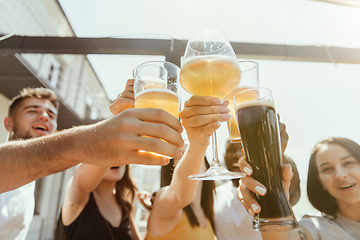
(159, 98)
(210, 76)
(232, 124)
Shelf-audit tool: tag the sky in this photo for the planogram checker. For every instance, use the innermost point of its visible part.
(314, 100)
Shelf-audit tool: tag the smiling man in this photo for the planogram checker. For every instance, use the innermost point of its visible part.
(34, 151)
(33, 113)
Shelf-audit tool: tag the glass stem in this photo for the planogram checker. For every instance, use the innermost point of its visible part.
(215, 162)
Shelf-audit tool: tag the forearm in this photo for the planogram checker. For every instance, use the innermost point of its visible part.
(87, 177)
(26, 161)
(190, 164)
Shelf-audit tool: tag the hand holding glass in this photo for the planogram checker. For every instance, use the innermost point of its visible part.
(156, 85)
(210, 69)
(260, 137)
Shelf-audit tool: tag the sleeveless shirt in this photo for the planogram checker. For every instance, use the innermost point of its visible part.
(184, 230)
(90, 224)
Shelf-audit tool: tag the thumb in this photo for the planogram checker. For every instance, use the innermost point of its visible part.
(287, 176)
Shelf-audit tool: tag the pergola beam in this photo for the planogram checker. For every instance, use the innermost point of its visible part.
(172, 49)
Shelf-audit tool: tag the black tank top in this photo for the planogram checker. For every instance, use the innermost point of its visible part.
(90, 224)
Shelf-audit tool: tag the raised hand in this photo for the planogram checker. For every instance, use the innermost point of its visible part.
(117, 141)
(249, 186)
(124, 100)
(202, 116)
(284, 136)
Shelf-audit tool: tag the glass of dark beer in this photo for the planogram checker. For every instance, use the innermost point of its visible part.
(259, 130)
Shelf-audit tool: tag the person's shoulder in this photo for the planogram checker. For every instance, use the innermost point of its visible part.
(315, 217)
(225, 194)
(317, 220)
(226, 187)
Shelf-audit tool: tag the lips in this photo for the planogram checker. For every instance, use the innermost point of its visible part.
(346, 186)
(41, 127)
(115, 167)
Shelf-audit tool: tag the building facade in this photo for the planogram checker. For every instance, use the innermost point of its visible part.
(82, 96)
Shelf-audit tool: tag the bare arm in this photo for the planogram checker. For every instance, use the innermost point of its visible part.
(135, 232)
(86, 178)
(201, 117)
(112, 142)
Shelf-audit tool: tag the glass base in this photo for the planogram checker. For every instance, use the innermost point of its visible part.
(217, 173)
(238, 140)
(274, 224)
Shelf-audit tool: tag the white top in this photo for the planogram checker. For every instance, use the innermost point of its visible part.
(322, 228)
(231, 219)
(16, 212)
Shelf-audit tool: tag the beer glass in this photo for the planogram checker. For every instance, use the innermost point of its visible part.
(210, 68)
(156, 85)
(260, 137)
(249, 79)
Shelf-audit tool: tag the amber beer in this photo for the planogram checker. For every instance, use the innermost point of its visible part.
(260, 137)
(210, 76)
(158, 98)
(156, 85)
(231, 123)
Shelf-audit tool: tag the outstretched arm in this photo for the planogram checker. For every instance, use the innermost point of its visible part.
(201, 117)
(115, 141)
(86, 178)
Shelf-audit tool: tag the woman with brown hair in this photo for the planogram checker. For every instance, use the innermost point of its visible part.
(184, 208)
(333, 188)
(98, 205)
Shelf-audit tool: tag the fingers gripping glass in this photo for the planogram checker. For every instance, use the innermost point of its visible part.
(156, 85)
(260, 137)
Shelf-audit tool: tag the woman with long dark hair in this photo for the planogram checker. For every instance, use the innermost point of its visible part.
(333, 188)
(184, 208)
(98, 205)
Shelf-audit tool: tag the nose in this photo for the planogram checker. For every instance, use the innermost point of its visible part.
(44, 116)
(341, 173)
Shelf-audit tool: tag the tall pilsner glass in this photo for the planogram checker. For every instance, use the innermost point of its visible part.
(157, 86)
(249, 79)
(260, 136)
(210, 68)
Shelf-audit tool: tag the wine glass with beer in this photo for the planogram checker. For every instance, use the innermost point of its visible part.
(156, 85)
(210, 68)
(249, 79)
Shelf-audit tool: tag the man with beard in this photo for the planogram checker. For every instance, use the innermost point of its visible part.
(35, 151)
(31, 114)
(231, 219)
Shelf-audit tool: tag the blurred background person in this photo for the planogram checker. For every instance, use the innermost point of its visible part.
(184, 209)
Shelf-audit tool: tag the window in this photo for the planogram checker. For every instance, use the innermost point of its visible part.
(56, 73)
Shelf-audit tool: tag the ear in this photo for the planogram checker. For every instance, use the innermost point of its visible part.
(8, 123)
